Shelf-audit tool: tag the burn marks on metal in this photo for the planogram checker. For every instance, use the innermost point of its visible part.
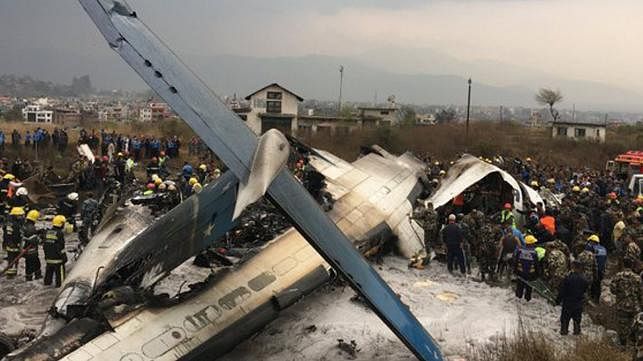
(210, 314)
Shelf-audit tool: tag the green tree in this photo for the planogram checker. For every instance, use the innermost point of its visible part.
(445, 116)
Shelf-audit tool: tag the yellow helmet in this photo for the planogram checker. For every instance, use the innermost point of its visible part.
(33, 215)
(193, 181)
(576, 189)
(528, 159)
(593, 238)
(9, 176)
(120, 154)
(203, 167)
(534, 183)
(197, 187)
(529, 239)
(17, 211)
(158, 181)
(585, 190)
(59, 221)
(551, 181)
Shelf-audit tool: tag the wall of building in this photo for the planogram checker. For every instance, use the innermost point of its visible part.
(258, 101)
(593, 133)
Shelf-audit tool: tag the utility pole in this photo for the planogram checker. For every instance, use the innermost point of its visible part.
(466, 135)
(341, 81)
(573, 112)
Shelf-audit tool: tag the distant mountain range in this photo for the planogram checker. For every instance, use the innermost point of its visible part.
(429, 77)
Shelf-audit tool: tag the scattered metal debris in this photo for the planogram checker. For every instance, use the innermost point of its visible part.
(349, 348)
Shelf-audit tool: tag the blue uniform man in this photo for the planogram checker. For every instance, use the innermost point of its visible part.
(526, 267)
(600, 254)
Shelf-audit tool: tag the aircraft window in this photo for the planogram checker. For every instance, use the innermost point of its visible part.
(260, 282)
(234, 298)
(304, 254)
(163, 342)
(284, 266)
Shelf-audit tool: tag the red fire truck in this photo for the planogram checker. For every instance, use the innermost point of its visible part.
(629, 167)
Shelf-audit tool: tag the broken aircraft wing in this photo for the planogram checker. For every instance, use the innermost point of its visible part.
(235, 144)
(374, 184)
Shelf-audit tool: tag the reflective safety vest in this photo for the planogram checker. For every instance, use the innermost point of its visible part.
(129, 165)
(505, 215)
(541, 252)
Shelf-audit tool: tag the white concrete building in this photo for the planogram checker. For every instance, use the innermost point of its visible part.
(154, 111)
(273, 106)
(579, 130)
(36, 114)
(377, 115)
(117, 113)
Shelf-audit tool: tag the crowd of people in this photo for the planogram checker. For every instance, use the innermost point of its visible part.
(94, 183)
(565, 249)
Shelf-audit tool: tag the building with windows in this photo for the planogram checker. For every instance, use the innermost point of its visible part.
(272, 106)
(154, 111)
(376, 116)
(114, 113)
(580, 130)
(35, 113)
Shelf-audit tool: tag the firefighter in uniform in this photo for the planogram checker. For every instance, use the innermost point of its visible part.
(12, 237)
(54, 247)
(30, 241)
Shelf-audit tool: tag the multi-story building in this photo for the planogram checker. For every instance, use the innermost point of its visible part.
(116, 113)
(154, 111)
(272, 106)
(34, 113)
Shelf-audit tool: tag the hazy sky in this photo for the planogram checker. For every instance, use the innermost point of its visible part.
(581, 39)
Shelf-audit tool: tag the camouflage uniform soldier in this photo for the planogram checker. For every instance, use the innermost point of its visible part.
(559, 245)
(488, 256)
(467, 233)
(637, 327)
(430, 224)
(587, 259)
(632, 254)
(556, 268)
(626, 286)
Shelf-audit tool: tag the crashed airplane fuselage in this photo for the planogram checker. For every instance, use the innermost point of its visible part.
(372, 201)
(236, 145)
(468, 171)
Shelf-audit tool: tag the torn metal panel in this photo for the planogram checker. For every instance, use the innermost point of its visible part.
(466, 172)
(229, 310)
(387, 183)
(234, 143)
(532, 195)
(129, 246)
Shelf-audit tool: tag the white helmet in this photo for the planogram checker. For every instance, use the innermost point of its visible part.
(73, 196)
(22, 191)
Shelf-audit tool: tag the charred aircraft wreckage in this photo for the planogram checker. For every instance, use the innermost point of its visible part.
(106, 309)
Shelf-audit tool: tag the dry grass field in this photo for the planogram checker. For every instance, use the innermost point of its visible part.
(443, 142)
